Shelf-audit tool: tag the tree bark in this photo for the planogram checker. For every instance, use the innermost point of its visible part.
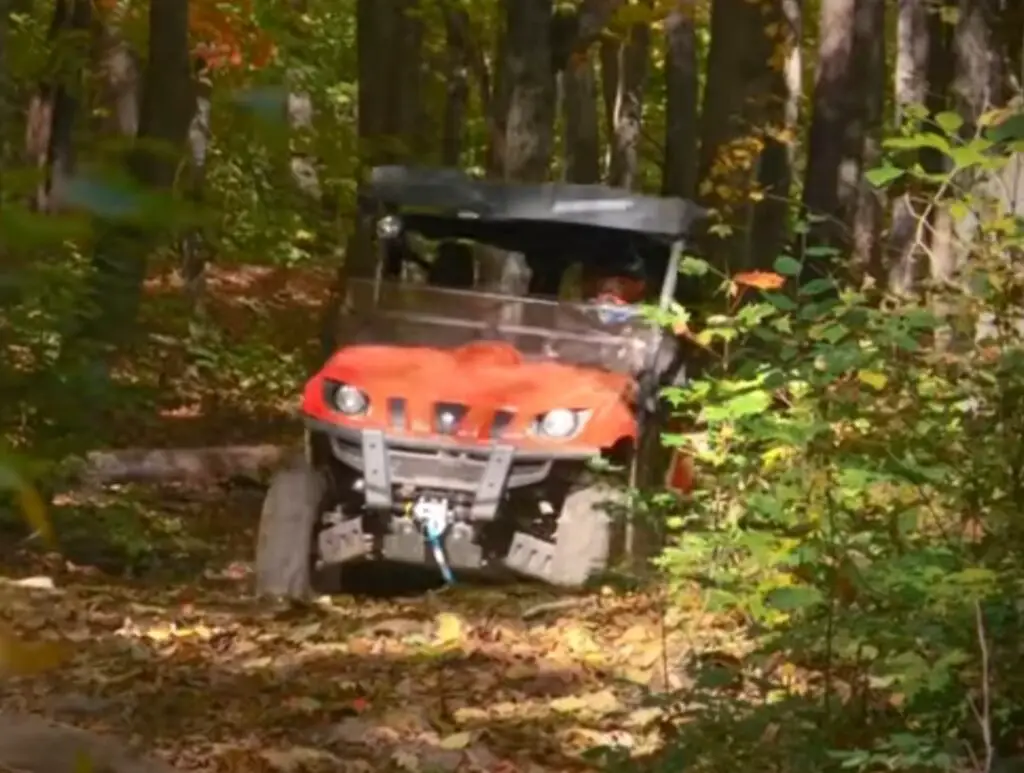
(739, 97)
(121, 250)
(682, 100)
(633, 55)
(53, 110)
(869, 51)
(390, 129)
(836, 145)
(916, 44)
(457, 69)
(529, 124)
(582, 131)
(529, 132)
(769, 229)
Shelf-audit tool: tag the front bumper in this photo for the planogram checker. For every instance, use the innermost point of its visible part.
(483, 473)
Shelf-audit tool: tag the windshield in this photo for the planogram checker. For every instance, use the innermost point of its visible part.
(606, 336)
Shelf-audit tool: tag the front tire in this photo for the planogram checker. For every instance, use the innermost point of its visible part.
(288, 521)
(582, 540)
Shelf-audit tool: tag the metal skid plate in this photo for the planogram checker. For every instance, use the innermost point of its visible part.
(461, 550)
(405, 543)
(342, 542)
(530, 556)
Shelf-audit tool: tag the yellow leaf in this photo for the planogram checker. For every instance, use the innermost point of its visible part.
(456, 741)
(873, 379)
(449, 629)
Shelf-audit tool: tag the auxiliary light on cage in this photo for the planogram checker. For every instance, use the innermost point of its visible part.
(389, 227)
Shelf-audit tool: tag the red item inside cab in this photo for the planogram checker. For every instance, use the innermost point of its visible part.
(615, 289)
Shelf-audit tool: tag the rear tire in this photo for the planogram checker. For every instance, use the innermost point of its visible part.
(582, 537)
(284, 548)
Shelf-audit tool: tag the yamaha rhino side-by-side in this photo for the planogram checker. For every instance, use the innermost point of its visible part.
(457, 428)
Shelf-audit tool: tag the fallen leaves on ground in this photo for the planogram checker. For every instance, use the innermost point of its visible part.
(450, 682)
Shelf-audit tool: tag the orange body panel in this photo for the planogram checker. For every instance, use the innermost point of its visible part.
(486, 376)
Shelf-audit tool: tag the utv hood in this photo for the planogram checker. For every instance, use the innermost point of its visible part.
(481, 381)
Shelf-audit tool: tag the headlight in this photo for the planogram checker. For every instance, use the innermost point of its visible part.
(389, 227)
(559, 423)
(350, 401)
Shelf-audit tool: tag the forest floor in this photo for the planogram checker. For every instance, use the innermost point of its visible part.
(148, 605)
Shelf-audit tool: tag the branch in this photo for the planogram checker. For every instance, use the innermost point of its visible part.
(983, 715)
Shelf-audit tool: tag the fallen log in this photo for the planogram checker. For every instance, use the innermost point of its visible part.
(176, 465)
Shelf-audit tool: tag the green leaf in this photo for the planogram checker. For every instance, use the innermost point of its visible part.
(787, 266)
(917, 142)
(693, 266)
(881, 176)
(748, 403)
(793, 598)
(1010, 129)
(816, 287)
(949, 122)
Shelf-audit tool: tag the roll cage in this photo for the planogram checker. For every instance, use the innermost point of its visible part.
(553, 225)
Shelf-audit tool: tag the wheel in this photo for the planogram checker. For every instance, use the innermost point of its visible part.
(284, 549)
(582, 540)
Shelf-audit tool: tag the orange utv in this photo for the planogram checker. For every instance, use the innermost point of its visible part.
(459, 428)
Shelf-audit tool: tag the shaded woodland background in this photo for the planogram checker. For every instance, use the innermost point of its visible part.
(178, 182)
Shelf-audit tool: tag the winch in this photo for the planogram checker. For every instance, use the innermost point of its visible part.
(433, 514)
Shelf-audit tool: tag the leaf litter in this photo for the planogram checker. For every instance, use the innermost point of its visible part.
(212, 681)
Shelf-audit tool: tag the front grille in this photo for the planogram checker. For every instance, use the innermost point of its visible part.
(396, 412)
(448, 416)
(502, 419)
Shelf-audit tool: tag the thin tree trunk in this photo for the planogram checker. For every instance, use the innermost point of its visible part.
(457, 71)
(529, 126)
(634, 54)
(582, 131)
(168, 104)
(740, 96)
(682, 100)
(869, 48)
(914, 43)
(835, 148)
(769, 229)
(52, 113)
(610, 77)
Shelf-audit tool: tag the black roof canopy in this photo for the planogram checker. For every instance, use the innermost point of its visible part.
(451, 204)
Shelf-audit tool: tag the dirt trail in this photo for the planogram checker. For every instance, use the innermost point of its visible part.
(181, 659)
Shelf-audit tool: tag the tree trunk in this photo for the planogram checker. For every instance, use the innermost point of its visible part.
(608, 51)
(195, 251)
(529, 133)
(168, 105)
(633, 55)
(980, 82)
(682, 86)
(869, 52)
(457, 69)
(739, 97)
(390, 129)
(582, 131)
(52, 113)
(769, 229)
(529, 124)
(120, 81)
(917, 39)
(835, 151)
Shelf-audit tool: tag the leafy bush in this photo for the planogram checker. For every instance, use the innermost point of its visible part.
(859, 509)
